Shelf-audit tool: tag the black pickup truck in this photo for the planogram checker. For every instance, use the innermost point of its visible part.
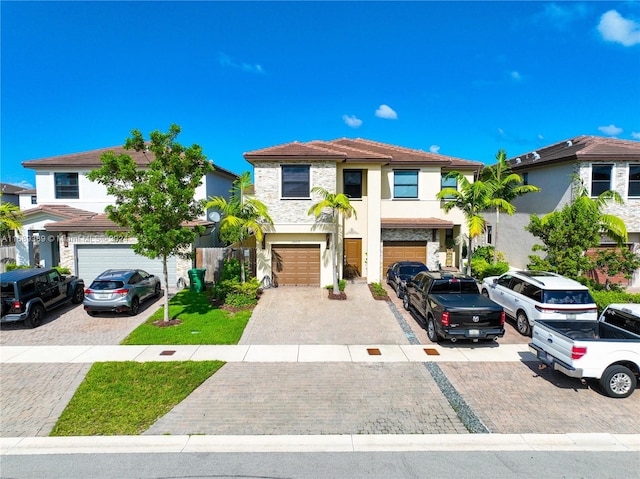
(450, 306)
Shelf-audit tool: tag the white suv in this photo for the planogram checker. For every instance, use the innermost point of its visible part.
(531, 295)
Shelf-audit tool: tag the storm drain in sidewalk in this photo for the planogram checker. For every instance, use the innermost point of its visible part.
(374, 352)
(431, 352)
(167, 353)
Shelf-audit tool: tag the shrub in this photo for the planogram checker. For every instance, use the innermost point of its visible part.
(12, 266)
(63, 271)
(605, 298)
(481, 268)
(231, 270)
(341, 285)
(233, 291)
(378, 289)
(239, 300)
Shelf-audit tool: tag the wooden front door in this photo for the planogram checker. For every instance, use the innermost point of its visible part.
(352, 258)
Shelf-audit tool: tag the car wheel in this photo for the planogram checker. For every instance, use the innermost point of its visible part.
(135, 307)
(618, 382)
(36, 315)
(157, 291)
(485, 293)
(522, 324)
(78, 295)
(405, 302)
(92, 313)
(431, 330)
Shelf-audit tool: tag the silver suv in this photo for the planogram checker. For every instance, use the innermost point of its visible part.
(528, 296)
(120, 290)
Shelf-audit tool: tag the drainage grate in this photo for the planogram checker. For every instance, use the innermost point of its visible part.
(374, 352)
(431, 352)
(167, 353)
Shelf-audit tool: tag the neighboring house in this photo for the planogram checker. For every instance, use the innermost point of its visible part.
(602, 164)
(393, 190)
(67, 225)
(28, 198)
(10, 193)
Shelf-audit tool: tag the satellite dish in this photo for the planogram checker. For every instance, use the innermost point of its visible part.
(214, 216)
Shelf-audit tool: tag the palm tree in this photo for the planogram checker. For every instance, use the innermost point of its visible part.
(243, 215)
(339, 206)
(471, 199)
(10, 218)
(505, 186)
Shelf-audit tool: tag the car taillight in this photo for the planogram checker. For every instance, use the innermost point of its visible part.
(123, 292)
(16, 305)
(577, 353)
(88, 291)
(502, 318)
(445, 318)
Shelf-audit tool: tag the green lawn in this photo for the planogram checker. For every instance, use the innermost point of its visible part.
(126, 398)
(202, 323)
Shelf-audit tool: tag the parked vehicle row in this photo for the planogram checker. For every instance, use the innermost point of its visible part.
(27, 294)
(400, 272)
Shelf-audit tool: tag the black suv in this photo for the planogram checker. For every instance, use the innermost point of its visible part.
(28, 293)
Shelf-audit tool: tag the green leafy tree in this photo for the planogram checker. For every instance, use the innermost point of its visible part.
(505, 186)
(617, 261)
(242, 216)
(155, 203)
(472, 198)
(10, 219)
(568, 234)
(332, 208)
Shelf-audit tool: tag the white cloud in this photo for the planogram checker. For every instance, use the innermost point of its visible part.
(540, 137)
(515, 75)
(226, 61)
(352, 121)
(635, 135)
(563, 15)
(500, 132)
(385, 111)
(434, 148)
(615, 28)
(611, 130)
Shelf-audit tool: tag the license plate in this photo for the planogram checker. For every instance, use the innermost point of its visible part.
(474, 332)
(571, 315)
(103, 295)
(545, 358)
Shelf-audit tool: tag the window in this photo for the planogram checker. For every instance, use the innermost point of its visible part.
(295, 181)
(525, 178)
(34, 200)
(634, 180)
(489, 234)
(66, 185)
(448, 183)
(353, 183)
(600, 179)
(405, 184)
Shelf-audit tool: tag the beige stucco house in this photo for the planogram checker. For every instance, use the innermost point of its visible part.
(393, 190)
(602, 164)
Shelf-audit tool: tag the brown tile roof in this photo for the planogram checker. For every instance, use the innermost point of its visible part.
(28, 191)
(62, 211)
(416, 223)
(358, 149)
(9, 189)
(98, 222)
(91, 159)
(580, 148)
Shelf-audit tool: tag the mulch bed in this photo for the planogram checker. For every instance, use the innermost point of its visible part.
(165, 324)
(340, 296)
(379, 297)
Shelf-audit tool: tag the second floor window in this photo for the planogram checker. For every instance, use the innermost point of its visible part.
(525, 178)
(600, 179)
(405, 184)
(634, 180)
(295, 181)
(66, 185)
(353, 183)
(448, 183)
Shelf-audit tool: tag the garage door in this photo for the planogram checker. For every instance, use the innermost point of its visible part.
(393, 251)
(295, 265)
(94, 259)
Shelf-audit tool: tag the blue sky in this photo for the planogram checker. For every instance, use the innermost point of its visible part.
(464, 79)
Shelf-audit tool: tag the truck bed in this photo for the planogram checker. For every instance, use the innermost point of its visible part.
(589, 330)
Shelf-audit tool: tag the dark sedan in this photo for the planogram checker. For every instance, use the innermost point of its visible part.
(399, 273)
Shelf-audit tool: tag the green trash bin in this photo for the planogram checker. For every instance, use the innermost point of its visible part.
(196, 279)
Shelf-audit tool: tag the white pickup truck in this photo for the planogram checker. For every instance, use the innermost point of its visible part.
(607, 349)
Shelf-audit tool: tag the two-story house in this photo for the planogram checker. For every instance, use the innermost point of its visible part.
(602, 164)
(67, 225)
(393, 190)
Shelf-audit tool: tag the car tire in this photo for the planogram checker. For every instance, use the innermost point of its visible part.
(405, 302)
(78, 295)
(522, 324)
(432, 334)
(36, 315)
(92, 313)
(135, 306)
(485, 293)
(618, 381)
(157, 292)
